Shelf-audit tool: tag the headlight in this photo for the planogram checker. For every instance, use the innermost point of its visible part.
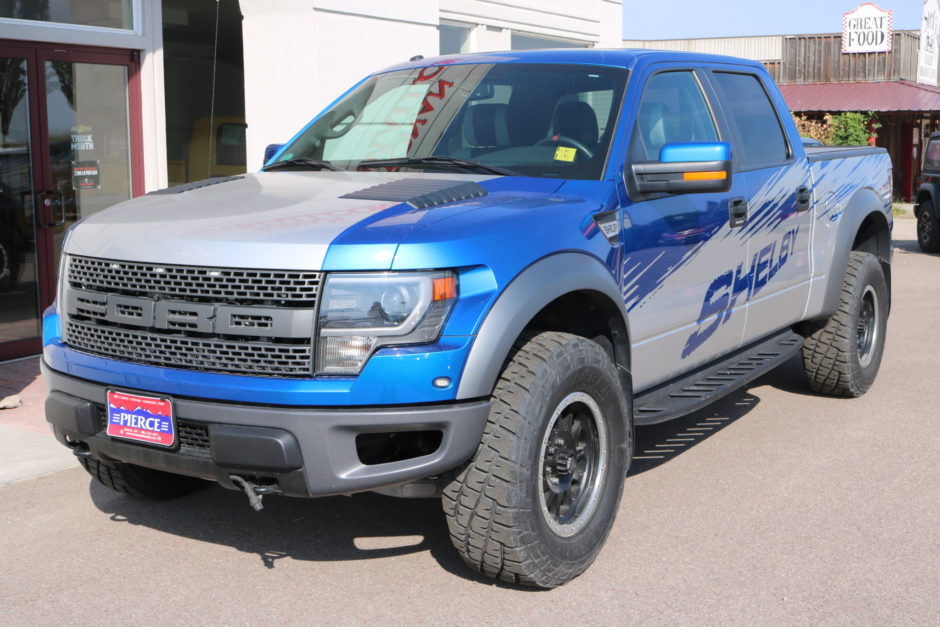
(362, 312)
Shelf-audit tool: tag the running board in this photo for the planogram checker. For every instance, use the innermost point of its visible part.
(707, 384)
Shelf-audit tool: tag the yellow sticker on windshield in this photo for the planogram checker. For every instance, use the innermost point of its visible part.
(564, 153)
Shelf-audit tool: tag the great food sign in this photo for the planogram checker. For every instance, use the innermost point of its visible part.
(866, 29)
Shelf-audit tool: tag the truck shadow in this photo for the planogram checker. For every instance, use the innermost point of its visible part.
(360, 527)
(371, 526)
(910, 246)
(657, 444)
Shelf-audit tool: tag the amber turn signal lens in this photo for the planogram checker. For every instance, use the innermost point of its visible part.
(445, 288)
(704, 176)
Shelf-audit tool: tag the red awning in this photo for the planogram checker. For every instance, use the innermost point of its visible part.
(873, 96)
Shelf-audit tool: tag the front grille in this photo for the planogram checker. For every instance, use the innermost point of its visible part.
(224, 320)
(195, 283)
(192, 353)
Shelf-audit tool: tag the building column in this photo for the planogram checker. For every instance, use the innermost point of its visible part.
(281, 71)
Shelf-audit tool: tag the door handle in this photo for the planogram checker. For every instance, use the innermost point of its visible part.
(737, 212)
(48, 206)
(803, 198)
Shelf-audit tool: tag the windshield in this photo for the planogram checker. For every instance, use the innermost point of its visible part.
(533, 119)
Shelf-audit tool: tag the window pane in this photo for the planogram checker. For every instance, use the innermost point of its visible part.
(932, 159)
(230, 144)
(533, 42)
(19, 298)
(537, 119)
(751, 111)
(105, 13)
(454, 39)
(672, 110)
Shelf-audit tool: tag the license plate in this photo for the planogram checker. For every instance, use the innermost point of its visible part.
(141, 418)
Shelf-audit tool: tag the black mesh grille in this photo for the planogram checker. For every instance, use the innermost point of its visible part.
(196, 283)
(192, 353)
(193, 435)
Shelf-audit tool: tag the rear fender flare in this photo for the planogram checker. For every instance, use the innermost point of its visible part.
(863, 204)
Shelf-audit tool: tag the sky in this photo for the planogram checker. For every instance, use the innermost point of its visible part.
(688, 19)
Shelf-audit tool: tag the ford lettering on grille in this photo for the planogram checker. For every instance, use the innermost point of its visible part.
(199, 308)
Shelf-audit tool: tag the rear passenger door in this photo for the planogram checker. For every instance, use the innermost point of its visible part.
(677, 248)
(776, 272)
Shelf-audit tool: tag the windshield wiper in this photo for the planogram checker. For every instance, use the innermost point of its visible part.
(446, 163)
(302, 163)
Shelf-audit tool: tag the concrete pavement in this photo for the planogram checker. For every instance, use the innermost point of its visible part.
(773, 506)
(27, 447)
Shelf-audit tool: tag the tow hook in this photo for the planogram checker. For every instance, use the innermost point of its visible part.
(79, 449)
(254, 491)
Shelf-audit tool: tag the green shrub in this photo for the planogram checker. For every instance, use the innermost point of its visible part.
(852, 128)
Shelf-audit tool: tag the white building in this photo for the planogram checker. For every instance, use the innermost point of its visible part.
(101, 100)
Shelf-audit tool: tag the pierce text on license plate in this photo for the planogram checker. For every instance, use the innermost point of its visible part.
(141, 418)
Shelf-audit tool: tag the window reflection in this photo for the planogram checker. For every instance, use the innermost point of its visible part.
(102, 13)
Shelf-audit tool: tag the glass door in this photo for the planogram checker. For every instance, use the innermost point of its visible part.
(87, 142)
(19, 271)
(70, 147)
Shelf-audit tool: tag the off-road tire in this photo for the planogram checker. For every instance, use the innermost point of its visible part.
(496, 507)
(140, 482)
(838, 357)
(928, 230)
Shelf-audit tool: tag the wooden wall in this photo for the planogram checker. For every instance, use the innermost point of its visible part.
(819, 59)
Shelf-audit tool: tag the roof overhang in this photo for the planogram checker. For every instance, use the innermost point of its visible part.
(861, 96)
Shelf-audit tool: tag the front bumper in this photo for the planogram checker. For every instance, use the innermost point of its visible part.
(305, 451)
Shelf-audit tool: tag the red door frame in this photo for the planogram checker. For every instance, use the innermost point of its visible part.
(36, 54)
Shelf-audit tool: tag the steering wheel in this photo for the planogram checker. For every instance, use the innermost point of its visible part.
(564, 139)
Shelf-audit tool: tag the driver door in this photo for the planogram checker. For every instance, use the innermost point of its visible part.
(679, 254)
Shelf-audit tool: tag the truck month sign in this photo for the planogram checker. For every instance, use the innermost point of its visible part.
(866, 29)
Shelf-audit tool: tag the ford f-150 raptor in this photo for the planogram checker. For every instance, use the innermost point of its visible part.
(470, 277)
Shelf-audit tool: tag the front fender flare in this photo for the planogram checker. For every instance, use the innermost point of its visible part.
(534, 288)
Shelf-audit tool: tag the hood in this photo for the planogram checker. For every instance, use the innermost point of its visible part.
(273, 220)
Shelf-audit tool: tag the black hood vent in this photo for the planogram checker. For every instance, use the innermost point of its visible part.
(421, 193)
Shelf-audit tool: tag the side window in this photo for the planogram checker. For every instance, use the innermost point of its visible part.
(672, 110)
(751, 112)
(932, 156)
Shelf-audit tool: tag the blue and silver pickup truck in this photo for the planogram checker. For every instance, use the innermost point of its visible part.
(469, 278)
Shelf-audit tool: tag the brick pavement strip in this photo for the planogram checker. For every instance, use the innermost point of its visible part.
(27, 448)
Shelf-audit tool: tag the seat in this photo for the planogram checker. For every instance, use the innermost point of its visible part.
(485, 127)
(576, 120)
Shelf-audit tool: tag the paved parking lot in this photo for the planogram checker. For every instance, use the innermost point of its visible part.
(772, 506)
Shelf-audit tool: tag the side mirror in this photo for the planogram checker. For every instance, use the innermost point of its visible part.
(271, 150)
(685, 168)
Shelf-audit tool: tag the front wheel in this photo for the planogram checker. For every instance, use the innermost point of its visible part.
(140, 482)
(928, 231)
(538, 500)
(842, 355)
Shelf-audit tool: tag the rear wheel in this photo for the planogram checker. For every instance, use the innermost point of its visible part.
(537, 501)
(138, 481)
(842, 355)
(928, 231)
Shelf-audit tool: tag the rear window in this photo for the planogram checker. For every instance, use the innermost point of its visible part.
(761, 138)
(932, 156)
